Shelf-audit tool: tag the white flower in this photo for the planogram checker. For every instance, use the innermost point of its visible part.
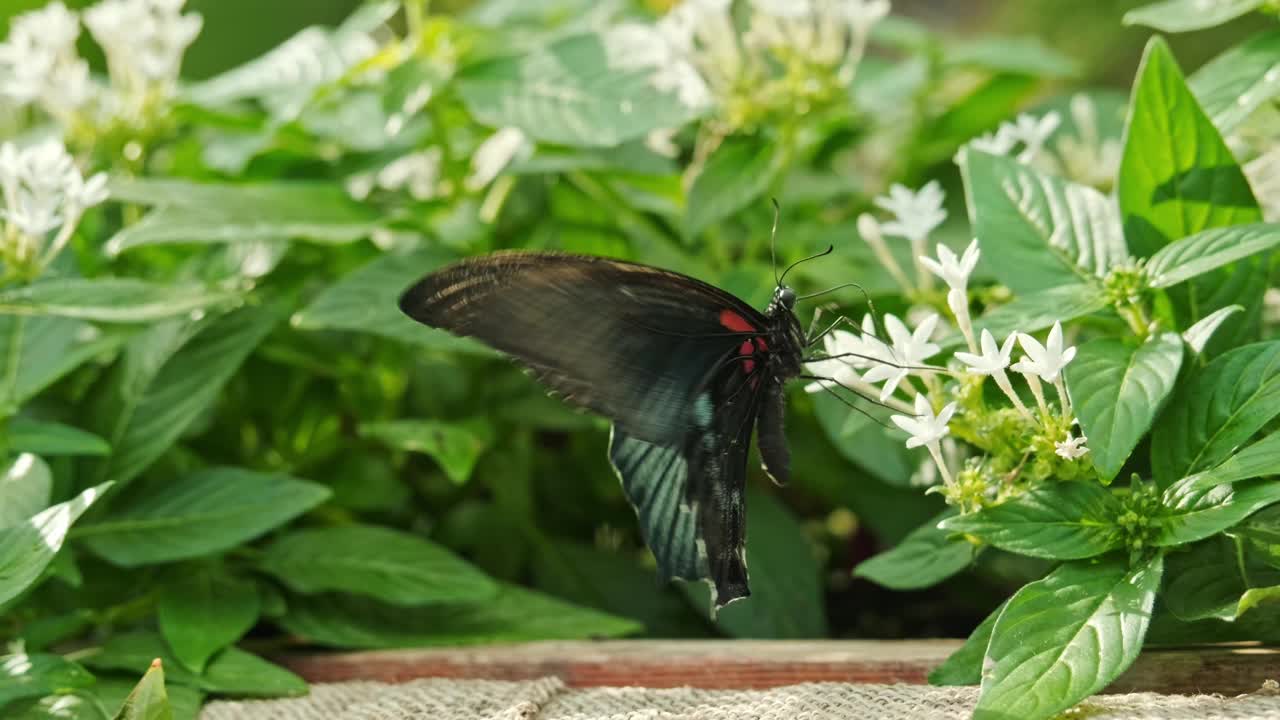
(1033, 132)
(915, 214)
(39, 64)
(1090, 158)
(144, 41)
(925, 428)
(419, 172)
(43, 191)
(863, 14)
(994, 358)
(667, 47)
(1045, 361)
(999, 142)
(848, 352)
(494, 154)
(909, 349)
(1072, 448)
(954, 271)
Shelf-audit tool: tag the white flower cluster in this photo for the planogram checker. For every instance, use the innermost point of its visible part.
(44, 195)
(857, 361)
(1084, 157)
(697, 52)
(144, 41)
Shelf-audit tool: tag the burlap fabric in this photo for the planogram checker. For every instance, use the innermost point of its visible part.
(549, 699)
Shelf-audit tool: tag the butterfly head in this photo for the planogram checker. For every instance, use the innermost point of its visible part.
(784, 296)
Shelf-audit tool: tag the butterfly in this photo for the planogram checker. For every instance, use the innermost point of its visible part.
(684, 370)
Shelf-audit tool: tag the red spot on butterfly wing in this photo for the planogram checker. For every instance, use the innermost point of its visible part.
(761, 344)
(745, 350)
(735, 322)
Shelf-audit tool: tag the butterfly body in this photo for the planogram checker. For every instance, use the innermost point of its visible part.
(684, 371)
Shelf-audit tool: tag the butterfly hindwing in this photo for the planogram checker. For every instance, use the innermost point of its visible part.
(633, 343)
(693, 488)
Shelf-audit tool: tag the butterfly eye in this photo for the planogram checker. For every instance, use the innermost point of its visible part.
(787, 297)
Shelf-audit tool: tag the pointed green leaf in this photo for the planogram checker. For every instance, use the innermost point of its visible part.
(455, 446)
(210, 511)
(1237, 82)
(166, 378)
(924, 558)
(148, 701)
(1198, 335)
(1058, 521)
(964, 666)
(1209, 250)
(1064, 638)
(26, 488)
(573, 92)
(1039, 231)
(232, 671)
(204, 610)
(392, 566)
(37, 351)
(109, 299)
(736, 174)
(1118, 390)
(194, 212)
(514, 615)
(1184, 15)
(51, 438)
(1254, 597)
(25, 675)
(1254, 460)
(1192, 511)
(1210, 578)
(1177, 176)
(367, 301)
(26, 549)
(1215, 410)
(110, 692)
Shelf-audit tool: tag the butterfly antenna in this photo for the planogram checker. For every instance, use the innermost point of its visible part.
(849, 404)
(830, 249)
(773, 241)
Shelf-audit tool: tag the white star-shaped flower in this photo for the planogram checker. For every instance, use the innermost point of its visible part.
(1045, 361)
(915, 214)
(994, 358)
(999, 142)
(909, 348)
(952, 270)
(925, 428)
(1033, 132)
(1072, 448)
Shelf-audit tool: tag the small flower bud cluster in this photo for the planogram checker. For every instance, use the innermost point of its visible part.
(44, 195)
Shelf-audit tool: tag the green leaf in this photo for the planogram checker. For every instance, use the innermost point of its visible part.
(1192, 511)
(1177, 176)
(1262, 530)
(1216, 410)
(455, 446)
(1184, 15)
(1064, 638)
(964, 666)
(1198, 335)
(36, 351)
(51, 438)
(166, 379)
(210, 511)
(26, 488)
(26, 549)
(1254, 460)
(736, 174)
(148, 701)
(1254, 597)
(111, 691)
(232, 671)
(192, 212)
(573, 92)
(1037, 311)
(1058, 521)
(121, 300)
(1209, 578)
(1118, 390)
(29, 676)
(1021, 55)
(924, 558)
(1237, 82)
(392, 566)
(367, 301)
(204, 610)
(1209, 250)
(514, 615)
(786, 582)
(1039, 231)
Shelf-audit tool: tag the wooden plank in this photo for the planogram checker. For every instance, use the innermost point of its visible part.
(737, 664)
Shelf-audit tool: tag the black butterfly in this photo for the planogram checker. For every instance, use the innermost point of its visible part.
(683, 369)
